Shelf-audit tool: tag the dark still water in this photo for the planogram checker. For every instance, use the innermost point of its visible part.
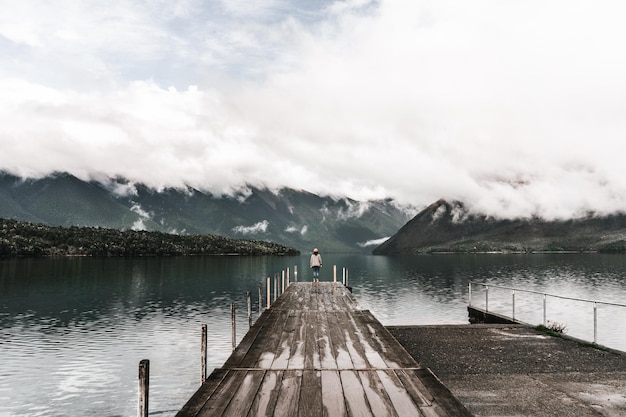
(72, 331)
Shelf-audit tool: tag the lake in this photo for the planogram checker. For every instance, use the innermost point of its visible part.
(73, 330)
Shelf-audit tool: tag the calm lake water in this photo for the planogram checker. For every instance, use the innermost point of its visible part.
(72, 331)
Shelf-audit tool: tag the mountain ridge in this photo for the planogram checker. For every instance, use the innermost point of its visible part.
(450, 227)
(295, 218)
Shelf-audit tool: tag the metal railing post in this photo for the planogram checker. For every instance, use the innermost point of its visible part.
(595, 322)
(486, 297)
(513, 295)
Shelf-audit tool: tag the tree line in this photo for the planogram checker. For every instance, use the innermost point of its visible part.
(25, 239)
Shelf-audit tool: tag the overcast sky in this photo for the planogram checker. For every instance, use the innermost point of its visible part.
(517, 108)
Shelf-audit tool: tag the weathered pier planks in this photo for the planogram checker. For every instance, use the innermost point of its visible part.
(314, 353)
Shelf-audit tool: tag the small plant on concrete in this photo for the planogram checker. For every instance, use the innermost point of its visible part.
(556, 327)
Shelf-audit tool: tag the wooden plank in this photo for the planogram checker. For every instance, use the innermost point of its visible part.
(443, 398)
(248, 341)
(203, 394)
(311, 348)
(297, 357)
(377, 397)
(332, 395)
(283, 348)
(392, 352)
(356, 401)
(353, 343)
(366, 335)
(272, 340)
(415, 389)
(310, 404)
(222, 395)
(338, 342)
(264, 403)
(287, 404)
(324, 342)
(401, 400)
(253, 354)
(241, 401)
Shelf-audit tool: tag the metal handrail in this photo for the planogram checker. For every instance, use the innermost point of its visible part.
(545, 295)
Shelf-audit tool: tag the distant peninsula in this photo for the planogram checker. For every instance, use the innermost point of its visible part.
(25, 239)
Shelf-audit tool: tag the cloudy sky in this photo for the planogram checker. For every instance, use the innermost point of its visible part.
(517, 108)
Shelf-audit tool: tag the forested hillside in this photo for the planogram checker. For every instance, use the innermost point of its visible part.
(19, 238)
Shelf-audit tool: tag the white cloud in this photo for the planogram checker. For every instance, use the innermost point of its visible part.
(260, 227)
(515, 108)
(373, 242)
(353, 210)
(293, 229)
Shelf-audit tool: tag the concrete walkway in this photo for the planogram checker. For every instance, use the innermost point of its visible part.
(515, 370)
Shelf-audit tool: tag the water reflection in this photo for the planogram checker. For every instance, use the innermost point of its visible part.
(73, 330)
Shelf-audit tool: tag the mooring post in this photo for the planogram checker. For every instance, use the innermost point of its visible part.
(283, 281)
(269, 281)
(469, 293)
(260, 297)
(288, 280)
(203, 352)
(545, 313)
(343, 276)
(144, 387)
(249, 299)
(346, 284)
(295, 273)
(233, 325)
(275, 286)
(334, 273)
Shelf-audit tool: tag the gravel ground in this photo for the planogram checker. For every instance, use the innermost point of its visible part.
(516, 370)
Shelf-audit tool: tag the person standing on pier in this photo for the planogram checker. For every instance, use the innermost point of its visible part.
(316, 264)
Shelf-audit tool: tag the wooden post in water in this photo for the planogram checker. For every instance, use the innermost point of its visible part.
(287, 276)
(260, 297)
(269, 281)
(275, 286)
(295, 273)
(233, 325)
(249, 299)
(203, 352)
(283, 281)
(144, 385)
(334, 273)
(346, 283)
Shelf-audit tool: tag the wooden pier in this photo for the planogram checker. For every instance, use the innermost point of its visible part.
(315, 353)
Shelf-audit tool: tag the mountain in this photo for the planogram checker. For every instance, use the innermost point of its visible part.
(290, 217)
(450, 227)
